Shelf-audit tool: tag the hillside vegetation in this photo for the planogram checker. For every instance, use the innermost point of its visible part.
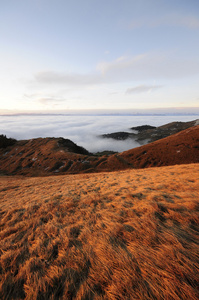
(6, 142)
(47, 156)
(122, 235)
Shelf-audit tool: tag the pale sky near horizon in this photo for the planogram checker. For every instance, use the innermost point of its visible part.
(98, 54)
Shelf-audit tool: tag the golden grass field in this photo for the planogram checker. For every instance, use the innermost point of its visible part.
(129, 234)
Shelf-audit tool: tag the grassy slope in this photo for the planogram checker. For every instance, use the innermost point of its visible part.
(122, 235)
(49, 156)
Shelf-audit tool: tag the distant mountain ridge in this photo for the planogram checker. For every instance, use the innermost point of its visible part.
(48, 156)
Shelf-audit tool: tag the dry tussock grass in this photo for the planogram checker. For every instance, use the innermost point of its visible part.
(121, 235)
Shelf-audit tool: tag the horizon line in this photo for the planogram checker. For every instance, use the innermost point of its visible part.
(103, 112)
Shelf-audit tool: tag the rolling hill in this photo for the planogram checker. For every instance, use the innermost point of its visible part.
(47, 156)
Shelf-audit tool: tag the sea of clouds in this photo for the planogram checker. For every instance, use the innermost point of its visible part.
(84, 130)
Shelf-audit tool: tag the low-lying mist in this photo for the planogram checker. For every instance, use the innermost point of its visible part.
(83, 130)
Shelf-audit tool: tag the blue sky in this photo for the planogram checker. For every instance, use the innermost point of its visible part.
(59, 55)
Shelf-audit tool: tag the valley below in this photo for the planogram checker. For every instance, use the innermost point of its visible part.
(174, 144)
(78, 225)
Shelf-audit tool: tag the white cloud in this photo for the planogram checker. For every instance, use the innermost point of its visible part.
(52, 77)
(142, 89)
(45, 99)
(186, 21)
(124, 69)
(122, 63)
(50, 101)
(148, 66)
(171, 20)
(107, 52)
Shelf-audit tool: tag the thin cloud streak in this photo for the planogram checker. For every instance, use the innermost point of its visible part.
(148, 66)
(171, 20)
(124, 69)
(142, 89)
(45, 99)
(52, 77)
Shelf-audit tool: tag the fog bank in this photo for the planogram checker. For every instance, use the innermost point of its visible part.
(83, 130)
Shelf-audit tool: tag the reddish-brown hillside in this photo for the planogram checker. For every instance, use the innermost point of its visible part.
(180, 148)
(43, 156)
(47, 156)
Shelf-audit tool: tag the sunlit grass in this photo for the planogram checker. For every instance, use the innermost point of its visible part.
(121, 235)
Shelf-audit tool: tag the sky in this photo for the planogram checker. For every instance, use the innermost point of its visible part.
(64, 55)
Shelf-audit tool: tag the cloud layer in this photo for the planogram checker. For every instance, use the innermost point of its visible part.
(83, 130)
